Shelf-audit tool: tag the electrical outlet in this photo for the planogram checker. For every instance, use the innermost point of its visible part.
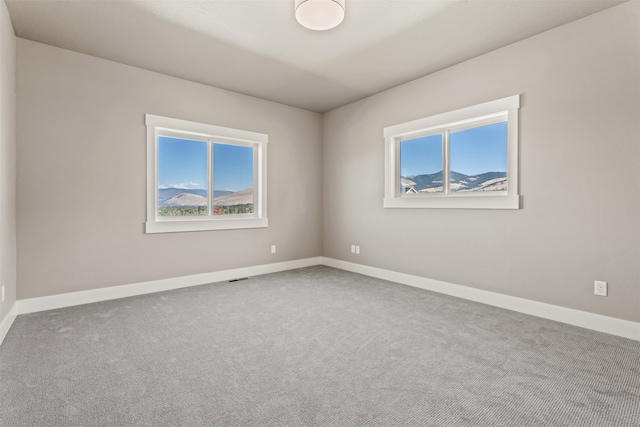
(273, 249)
(358, 250)
(353, 249)
(600, 288)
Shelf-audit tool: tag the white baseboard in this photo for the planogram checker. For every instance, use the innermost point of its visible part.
(51, 302)
(609, 325)
(7, 322)
(597, 322)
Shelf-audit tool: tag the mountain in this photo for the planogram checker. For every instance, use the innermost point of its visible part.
(427, 181)
(241, 197)
(166, 194)
(488, 181)
(187, 199)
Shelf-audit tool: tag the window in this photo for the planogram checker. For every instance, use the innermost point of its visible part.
(466, 158)
(204, 177)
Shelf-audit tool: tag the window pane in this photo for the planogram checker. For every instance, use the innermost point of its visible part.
(478, 159)
(421, 165)
(232, 179)
(182, 177)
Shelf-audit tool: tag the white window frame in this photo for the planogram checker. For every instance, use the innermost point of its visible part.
(167, 126)
(505, 109)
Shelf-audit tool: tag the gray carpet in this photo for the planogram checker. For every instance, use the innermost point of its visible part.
(311, 347)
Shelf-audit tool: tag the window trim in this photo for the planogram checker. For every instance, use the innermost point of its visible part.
(476, 115)
(167, 126)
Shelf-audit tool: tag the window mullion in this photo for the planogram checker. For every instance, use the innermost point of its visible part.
(445, 161)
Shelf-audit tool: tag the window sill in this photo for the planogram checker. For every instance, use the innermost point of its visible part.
(454, 202)
(176, 226)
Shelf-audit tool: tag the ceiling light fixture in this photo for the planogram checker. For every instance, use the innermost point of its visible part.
(320, 15)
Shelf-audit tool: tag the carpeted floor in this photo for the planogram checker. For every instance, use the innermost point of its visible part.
(311, 347)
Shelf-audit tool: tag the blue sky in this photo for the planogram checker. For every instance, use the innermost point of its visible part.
(182, 163)
(421, 156)
(473, 151)
(232, 167)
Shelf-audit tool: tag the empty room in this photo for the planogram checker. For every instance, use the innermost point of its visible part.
(320, 213)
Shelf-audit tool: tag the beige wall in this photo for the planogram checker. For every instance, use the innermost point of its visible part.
(579, 163)
(81, 174)
(82, 169)
(7, 160)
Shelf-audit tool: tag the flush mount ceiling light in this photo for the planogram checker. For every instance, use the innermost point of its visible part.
(320, 15)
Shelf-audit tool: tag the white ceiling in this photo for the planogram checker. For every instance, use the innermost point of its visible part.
(256, 47)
